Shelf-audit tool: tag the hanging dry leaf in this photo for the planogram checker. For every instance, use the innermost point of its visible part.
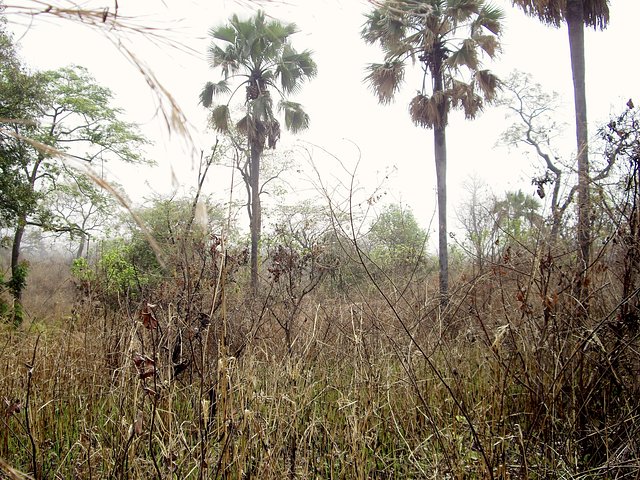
(145, 366)
(137, 425)
(147, 372)
(13, 407)
(149, 319)
(138, 360)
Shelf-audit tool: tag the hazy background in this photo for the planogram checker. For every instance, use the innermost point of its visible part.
(346, 119)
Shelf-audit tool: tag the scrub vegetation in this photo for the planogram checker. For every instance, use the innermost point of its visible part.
(176, 340)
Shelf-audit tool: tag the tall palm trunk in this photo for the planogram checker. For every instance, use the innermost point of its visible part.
(575, 23)
(440, 150)
(440, 153)
(256, 220)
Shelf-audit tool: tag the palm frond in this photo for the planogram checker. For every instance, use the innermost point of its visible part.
(551, 12)
(253, 129)
(220, 118)
(461, 10)
(384, 26)
(245, 29)
(279, 32)
(206, 95)
(491, 18)
(596, 13)
(488, 43)
(462, 95)
(385, 79)
(488, 83)
(272, 133)
(227, 59)
(226, 33)
(295, 118)
(429, 111)
(261, 108)
(294, 68)
(466, 56)
(269, 38)
(245, 125)
(211, 90)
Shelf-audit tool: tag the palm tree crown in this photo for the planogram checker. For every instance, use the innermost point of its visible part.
(554, 12)
(258, 53)
(427, 31)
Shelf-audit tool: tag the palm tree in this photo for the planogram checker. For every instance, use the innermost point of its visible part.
(428, 31)
(517, 214)
(577, 14)
(257, 54)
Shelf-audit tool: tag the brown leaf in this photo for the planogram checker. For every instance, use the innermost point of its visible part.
(149, 319)
(13, 407)
(138, 360)
(145, 366)
(147, 373)
(137, 425)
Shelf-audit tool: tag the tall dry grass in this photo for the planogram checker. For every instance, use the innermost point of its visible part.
(503, 384)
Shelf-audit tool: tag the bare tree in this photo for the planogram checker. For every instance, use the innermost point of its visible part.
(536, 127)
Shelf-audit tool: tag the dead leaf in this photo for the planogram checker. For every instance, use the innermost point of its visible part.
(137, 425)
(149, 319)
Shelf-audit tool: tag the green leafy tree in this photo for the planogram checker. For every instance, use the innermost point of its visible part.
(83, 208)
(396, 240)
(577, 14)
(19, 96)
(258, 55)
(446, 38)
(72, 115)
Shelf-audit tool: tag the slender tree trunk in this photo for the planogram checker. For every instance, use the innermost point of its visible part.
(15, 256)
(256, 214)
(440, 153)
(575, 23)
(440, 150)
(81, 245)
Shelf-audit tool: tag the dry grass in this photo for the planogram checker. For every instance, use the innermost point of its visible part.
(355, 398)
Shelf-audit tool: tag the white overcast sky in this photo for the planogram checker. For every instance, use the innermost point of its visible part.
(344, 113)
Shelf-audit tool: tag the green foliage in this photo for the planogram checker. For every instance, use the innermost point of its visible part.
(19, 96)
(517, 216)
(119, 272)
(18, 280)
(129, 264)
(167, 220)
(14, 286)
(67, 111)
(78, 111)
(81, 270)
(396, 240)
(5, 306)
(45, 119)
